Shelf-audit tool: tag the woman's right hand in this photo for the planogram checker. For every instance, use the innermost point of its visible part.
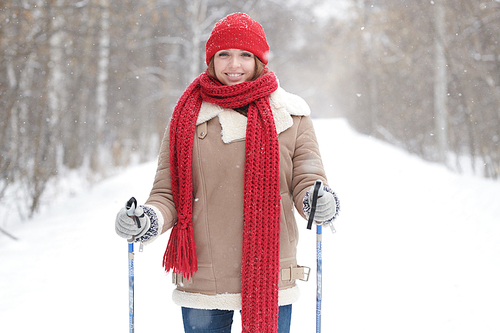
(126, 226)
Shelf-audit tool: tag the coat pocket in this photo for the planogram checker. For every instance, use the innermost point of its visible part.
(288, 224)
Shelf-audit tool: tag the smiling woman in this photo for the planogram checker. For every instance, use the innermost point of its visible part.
(234, 227)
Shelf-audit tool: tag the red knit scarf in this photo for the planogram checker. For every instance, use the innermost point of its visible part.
(261, 211)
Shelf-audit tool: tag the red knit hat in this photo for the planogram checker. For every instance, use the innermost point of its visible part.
(238, 31)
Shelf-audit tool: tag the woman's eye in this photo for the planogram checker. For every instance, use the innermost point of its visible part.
(247, 55)
(223, 54)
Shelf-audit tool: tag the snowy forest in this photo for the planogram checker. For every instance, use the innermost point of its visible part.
(87, 86)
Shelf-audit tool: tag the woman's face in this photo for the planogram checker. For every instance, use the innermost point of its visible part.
(233, 66)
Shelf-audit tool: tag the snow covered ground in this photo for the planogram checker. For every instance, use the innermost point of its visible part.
(417, 249)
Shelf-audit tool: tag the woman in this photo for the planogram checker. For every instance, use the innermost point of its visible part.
(238, 154)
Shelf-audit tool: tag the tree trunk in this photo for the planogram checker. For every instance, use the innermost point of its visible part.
(102, 83)
(440, 82)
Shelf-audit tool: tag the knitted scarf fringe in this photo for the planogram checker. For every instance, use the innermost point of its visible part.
(180, 254)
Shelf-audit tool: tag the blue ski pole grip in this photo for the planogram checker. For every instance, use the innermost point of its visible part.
(130, 207)
(318, 188)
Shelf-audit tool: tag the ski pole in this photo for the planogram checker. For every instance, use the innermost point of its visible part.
(319, 276)
(130, 207)
(317, 193)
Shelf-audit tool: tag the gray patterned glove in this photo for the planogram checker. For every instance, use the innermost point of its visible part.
(126, 227)
(326, 205)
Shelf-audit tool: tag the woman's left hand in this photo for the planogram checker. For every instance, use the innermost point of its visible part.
(326, 206)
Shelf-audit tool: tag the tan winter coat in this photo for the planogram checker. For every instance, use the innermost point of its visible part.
(218, 163)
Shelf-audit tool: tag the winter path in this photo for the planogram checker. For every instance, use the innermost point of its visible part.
(417, 249)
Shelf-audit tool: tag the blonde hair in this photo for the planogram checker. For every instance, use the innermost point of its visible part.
(259, 68)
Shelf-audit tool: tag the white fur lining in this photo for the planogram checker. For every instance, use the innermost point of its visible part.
(226, 301)
(283, 104)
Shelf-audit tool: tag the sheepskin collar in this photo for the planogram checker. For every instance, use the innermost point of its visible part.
(284, 106)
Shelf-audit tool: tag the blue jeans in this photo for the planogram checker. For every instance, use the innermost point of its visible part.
(220, 321)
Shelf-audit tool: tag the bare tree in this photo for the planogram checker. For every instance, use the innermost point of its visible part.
(429, 74)
(440, 81)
